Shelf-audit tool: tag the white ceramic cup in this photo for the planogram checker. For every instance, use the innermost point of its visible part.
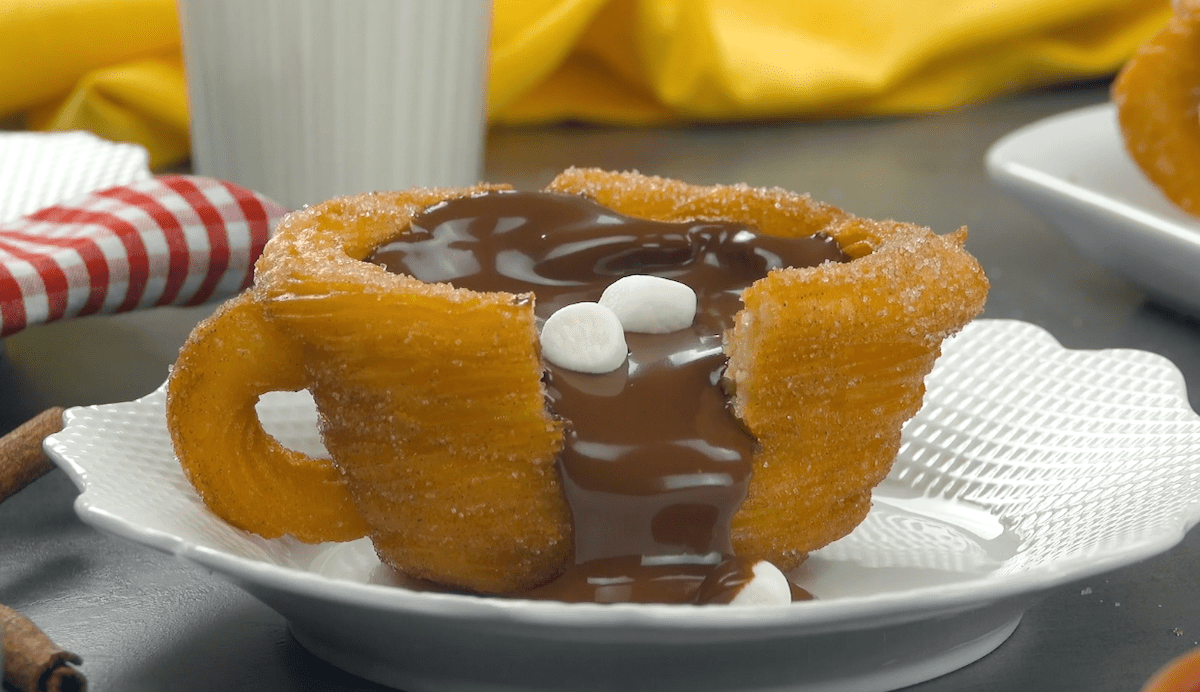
(303, 100)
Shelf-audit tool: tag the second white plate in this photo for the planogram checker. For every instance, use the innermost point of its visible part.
(1073, 169)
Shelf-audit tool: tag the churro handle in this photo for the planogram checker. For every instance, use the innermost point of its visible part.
(240, 472)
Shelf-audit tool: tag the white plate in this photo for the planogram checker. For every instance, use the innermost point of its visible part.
(1073, 168)
(1029, 466)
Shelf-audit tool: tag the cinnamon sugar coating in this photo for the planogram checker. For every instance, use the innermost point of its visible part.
(431, 398)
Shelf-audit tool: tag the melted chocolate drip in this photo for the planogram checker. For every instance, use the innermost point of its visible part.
(654, 463)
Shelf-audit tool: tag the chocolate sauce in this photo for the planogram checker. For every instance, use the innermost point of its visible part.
(654, 463)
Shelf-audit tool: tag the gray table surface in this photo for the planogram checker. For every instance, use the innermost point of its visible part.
(144, 621)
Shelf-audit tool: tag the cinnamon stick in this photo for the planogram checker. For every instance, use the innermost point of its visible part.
(22, 460)
(34, 663)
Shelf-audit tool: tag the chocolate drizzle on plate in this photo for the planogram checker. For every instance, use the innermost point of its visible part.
(654, 463)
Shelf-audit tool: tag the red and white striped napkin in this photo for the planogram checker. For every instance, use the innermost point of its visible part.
(170, 240)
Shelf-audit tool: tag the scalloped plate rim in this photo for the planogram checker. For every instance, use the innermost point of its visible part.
(815, 617)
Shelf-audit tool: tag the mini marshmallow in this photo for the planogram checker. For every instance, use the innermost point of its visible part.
(768, 587)
(650, 304)
(584, 337)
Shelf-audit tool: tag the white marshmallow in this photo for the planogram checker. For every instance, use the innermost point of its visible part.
(650, 304)
(768, 587)
(584, 337)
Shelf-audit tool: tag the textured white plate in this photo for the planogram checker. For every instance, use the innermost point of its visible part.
(40, 169)
(1073, 168)
(1029, 466)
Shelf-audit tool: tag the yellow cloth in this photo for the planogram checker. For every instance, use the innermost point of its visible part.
(109, 66)
(113, 66)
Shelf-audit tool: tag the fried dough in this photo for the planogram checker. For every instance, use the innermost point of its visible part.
(1156, 99)
(433, 409)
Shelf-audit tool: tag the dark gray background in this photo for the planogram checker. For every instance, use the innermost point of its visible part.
(143, 621)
